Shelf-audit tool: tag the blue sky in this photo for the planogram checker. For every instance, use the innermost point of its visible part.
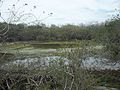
(64, 11)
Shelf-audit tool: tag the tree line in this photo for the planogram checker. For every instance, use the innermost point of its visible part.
(20, 32)
(104, 32)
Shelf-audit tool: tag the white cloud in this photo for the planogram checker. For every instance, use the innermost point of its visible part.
(67, 11)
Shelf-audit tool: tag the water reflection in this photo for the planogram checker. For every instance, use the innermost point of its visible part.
(89, 63)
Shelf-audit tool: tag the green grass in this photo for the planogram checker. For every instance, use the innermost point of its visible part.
(45, 45)
(48, 48)
(19, 45)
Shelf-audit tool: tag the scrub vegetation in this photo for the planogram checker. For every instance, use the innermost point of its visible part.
(40, 57)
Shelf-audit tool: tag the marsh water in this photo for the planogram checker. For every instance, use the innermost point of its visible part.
(25, 54)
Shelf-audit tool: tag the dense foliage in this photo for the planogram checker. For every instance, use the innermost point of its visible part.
(42, 33)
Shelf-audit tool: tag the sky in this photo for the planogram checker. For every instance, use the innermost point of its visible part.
(58, 12)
